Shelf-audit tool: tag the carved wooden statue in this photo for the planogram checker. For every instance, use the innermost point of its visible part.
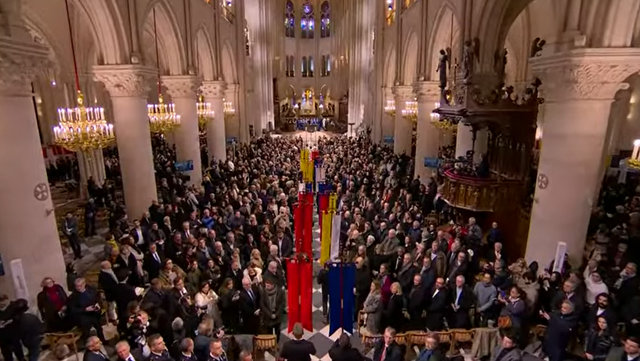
(442, 68)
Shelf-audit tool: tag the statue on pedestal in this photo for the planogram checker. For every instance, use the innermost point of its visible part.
(443, 64)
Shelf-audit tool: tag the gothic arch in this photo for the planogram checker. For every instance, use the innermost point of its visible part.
(172, 50)
(229, 72)
(204, 54)
(444, 33)
(390, 68)
(410, 61)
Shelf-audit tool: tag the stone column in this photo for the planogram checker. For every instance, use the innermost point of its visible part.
(128, 86)
(213, 91)
(91, 164)
(387, 120)
(234, 126)
(402, 132)
(428, 136)
(183, 91)
(578, 88)
(30, 246)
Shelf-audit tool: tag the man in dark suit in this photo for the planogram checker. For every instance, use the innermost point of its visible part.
(236, 274)
(363, 283)
(84, 308)
(427, 273)
(216, 352)
(285, 246)
(152, 262)
(93, 351)
(123, 350)
(458, 268)
(297, 349)
(602, 308)
(568, 293)
(417, 301)
(437, 306)
(249, 307)
(140, 235)
(405, 273)
(70, 229)
(461, 299)
(387, 349)
(107, 281)
(158, 349)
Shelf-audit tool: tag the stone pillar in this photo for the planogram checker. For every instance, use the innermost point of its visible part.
(91, 164)
(128, 86)
(213, 92)
(183, 91)
(30, 246)
(234, 126)
(403, 129)
(464, 140)
(428, 136)
(578, 88)
(387, 120)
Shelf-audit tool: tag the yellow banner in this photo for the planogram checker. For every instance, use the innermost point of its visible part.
(325, 242)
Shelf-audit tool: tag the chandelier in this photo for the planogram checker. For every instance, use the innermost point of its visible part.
(204, 112)
(81, 128)
(444, 124)
(634, 160)
(410, 111)
(390, 108)
(229, 110)
(162, 116)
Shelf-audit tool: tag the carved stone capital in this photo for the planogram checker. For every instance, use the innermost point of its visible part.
(403, 93)
(213, 88)
(181, 86)
(585, 74)
(125, 80)
(20, 63)
(427, 91)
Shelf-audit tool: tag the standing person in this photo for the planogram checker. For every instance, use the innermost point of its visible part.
(437, 306)
(485, 293)
(372, 309)
(598, 341)
(9, 338)
(186, 350)
(392, 314)
(562, 324)
(249, 307)
(387, 349)
(84, 308)
(272, 303)
(30, 329)
(70, 229)
(123, 350)
(158, 349)
(630, 350)
(216, 352)
(461, 299)
(90, 211)
(52, 304)
(297, 349)
(323, 281)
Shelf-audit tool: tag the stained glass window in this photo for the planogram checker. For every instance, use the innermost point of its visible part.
(289, 21)
(307, 25)
(325, 20)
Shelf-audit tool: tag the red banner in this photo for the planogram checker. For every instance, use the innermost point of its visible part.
(307, 235)
(298, 226)
(293, 296)
(323, 205)
(306, 294)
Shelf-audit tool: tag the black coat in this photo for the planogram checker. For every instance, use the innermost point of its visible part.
(559, 332)
(405, 277)
(230, 312)
(77, 303)
(592, 316)
(48, 310)
(94, 356)
(417, 302)
(437, 309)
(248, 307)
(152, 266)
(297, 350)
(392, 314)
(460, 318)
(598, 345)
(394, 352)
(338, 353)
(108, 284)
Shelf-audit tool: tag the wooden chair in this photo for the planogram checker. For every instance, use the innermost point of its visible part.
(415, 338)
(401, 338)
(262, 343)
(445, 338)
(459, 335)
(70, 339)
(368, 341)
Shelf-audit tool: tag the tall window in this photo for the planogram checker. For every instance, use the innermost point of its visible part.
(247, 41)
(289, 66)
(307, 25)
(303, 67)
(227, 9)
(310, 66)
(289, 21)
(390, 11)
(325, 19)
(326, 65)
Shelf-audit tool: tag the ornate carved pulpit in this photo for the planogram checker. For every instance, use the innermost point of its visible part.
(483, 102)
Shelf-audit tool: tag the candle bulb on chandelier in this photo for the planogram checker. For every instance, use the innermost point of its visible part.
(636, 148)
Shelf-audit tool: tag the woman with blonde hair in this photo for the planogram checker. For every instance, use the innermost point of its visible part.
(372, 309)
(256, 258)
(393, 315)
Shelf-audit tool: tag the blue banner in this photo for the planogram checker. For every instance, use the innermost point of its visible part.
(185, 166)
(388, 139)
(342, 279)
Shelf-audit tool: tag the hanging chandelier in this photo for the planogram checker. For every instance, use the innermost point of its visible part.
(81, 128)
(444, 124)
(390, 108)
(204, 111)
(229, 110)
(410, 111)
(162, 116)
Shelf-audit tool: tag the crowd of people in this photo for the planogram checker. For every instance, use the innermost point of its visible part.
(207, 260)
